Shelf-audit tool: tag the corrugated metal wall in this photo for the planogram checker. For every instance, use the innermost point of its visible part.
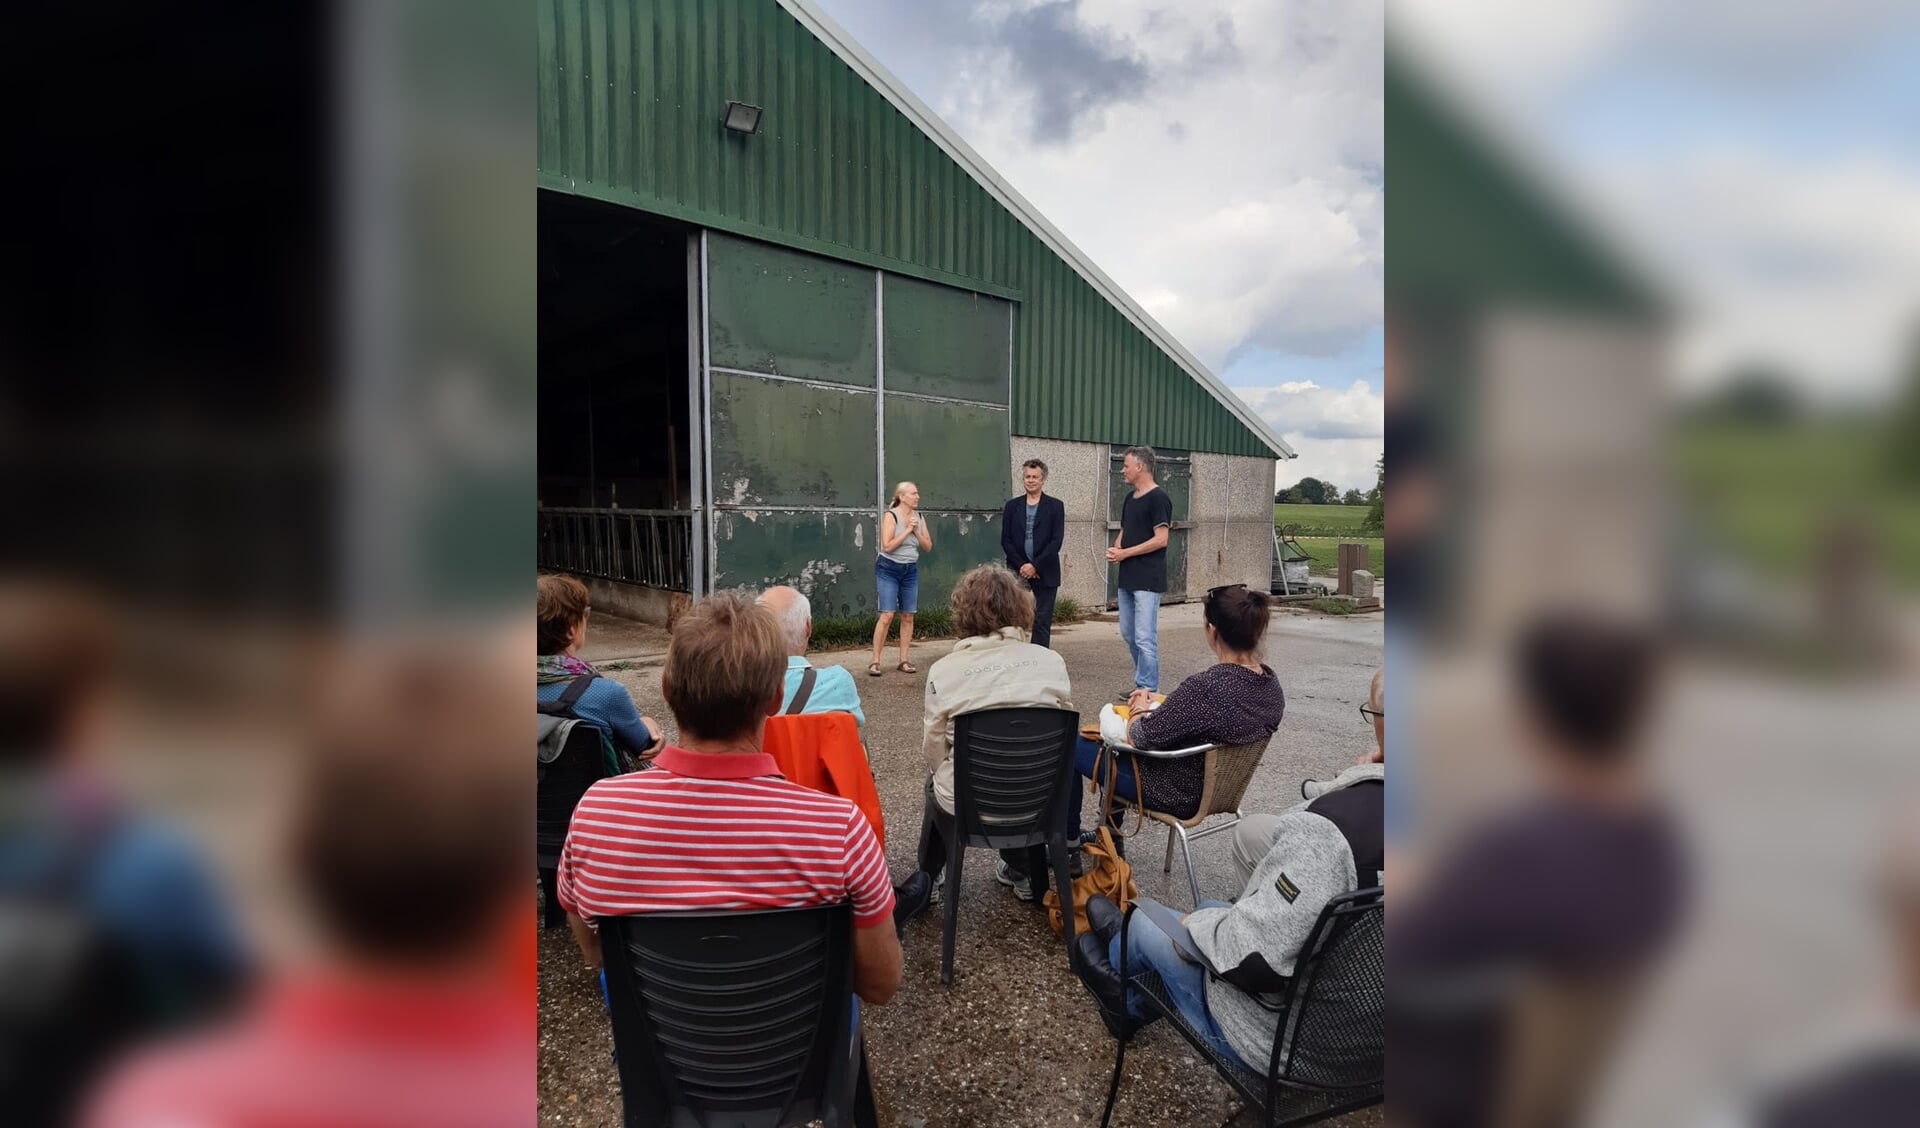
(630, 99)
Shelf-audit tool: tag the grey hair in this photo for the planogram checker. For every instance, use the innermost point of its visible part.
(794, 619)
(1377, 691)
(1144, 456)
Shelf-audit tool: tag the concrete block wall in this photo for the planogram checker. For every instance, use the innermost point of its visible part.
(1232, 511)
(1231, 508)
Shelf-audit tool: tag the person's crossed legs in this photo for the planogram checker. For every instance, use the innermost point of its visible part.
(1149, 949)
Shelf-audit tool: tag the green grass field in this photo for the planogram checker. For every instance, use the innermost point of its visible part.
(1325, 552)
(1321, 520)
(1769, 494)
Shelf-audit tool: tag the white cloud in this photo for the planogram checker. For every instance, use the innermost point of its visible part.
(1304, 407)
(1347, 463)
(1813, 269)
(1533, 50)
(1525, 45)
(1337, 432)
(1236, 195)
(1783, 249)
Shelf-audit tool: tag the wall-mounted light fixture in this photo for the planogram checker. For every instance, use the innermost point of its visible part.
(741, 117)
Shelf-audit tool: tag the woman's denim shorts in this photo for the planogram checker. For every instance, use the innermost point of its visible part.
(898, 585)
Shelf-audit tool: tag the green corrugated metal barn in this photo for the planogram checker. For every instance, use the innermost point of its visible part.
(746, 337)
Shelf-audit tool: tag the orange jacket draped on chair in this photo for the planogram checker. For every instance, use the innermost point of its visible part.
(822, 752)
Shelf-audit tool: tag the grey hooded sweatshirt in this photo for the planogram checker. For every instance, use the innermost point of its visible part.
(1324, 847)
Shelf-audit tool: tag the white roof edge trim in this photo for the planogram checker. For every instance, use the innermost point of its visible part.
(868, 68)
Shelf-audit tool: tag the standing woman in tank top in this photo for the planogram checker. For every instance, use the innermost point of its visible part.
(896, 571)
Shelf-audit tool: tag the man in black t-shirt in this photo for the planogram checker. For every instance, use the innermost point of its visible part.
(1146, 516)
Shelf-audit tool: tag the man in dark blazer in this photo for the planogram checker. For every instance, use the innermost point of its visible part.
(1032, 528)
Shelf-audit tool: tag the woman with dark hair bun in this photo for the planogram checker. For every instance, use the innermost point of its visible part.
(1237, 700)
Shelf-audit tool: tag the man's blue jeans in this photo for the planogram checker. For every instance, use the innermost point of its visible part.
(1140, 630)
(1148, 948)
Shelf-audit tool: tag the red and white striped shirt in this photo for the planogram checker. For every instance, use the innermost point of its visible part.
(705, 831)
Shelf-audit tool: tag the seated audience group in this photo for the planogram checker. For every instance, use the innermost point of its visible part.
(735, 664)
(739, 836)
(1290, 865)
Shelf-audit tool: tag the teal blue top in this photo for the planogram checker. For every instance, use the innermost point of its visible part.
(833, 690)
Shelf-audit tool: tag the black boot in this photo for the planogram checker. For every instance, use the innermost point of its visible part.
(1104, 982)
(1103, 919)
(910, 899)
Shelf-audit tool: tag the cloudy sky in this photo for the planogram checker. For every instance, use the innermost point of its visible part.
(1220, 160)
(1760, 157)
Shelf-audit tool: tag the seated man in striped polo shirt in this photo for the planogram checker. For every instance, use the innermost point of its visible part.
(714, 826)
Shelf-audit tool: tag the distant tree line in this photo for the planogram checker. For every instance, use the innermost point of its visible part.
(1313, 491)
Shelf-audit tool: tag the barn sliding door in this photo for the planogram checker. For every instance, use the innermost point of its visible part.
(825, 383)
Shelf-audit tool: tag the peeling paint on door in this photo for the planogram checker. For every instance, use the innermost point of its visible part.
(815, 570)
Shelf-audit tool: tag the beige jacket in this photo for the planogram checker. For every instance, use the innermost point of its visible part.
(986, 672)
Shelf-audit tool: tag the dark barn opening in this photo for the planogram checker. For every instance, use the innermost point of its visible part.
(614, 488)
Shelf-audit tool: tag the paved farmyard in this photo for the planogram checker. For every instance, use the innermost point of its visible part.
(1015, 1041)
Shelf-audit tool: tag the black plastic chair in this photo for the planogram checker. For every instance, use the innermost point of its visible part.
(586, 757)
(1012, 777)
(736, 1019)
(557, 790)
(1329, 1048)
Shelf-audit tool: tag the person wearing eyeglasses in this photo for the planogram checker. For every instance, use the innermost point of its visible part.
(1255, 835)
(1315, 852)
(1237, 700)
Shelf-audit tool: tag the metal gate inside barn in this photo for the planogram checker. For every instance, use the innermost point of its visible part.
(811, 386)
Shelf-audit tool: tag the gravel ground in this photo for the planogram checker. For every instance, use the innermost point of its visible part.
(1015, 1040)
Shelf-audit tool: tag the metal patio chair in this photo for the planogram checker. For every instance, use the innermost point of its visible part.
(1226, 774)
(1329, 1048)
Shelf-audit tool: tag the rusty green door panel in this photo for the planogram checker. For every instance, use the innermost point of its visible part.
(946, 342)
(956, 453)
(829, 556)
(780, 443)
(787, 314)
(960, 541)
(1173, 472)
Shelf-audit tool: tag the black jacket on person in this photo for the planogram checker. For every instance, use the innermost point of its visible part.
(1049, 532)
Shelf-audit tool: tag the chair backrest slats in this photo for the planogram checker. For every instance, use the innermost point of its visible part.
(1011, 771)
(732, 1020)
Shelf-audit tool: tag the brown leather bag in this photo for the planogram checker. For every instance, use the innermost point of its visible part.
(1103, 871)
